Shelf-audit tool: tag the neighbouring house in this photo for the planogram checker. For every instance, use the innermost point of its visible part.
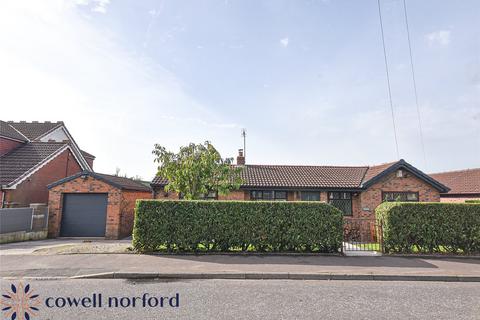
(89, 204)
(463, 185)
(356, 190)
(33, 155)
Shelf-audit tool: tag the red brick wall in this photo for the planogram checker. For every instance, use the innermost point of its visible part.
(90, 162)
(34, 188)
(372, 197)
(458, 199)
(127, 209)
(120, 205)
(161, 194)
(7, 145)
(236, 195)
(89, 185)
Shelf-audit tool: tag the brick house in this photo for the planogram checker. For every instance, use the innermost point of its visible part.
(89, 204)
(33, 155)
(356, 190)
(463, 184)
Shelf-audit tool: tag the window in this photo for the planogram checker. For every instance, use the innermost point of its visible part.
(268, 195)
(310, 196)
(342, 201)
(400, 196)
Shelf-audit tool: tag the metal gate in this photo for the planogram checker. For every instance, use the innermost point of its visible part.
(362, 234)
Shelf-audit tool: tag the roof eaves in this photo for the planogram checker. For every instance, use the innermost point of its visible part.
(13, 139)
(93, 175)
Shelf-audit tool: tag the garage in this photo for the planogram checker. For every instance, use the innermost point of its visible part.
(92, 205)
(84, 215)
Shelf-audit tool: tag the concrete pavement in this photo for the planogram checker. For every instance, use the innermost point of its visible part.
(191, 266)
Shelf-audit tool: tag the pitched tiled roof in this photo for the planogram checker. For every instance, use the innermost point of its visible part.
(8, 131)
(374, 171)
(124, 183)
(116, 181)
(24, 158)
(302, 176)
(282, 176)
(34, 130)
(159, 181)
(460, 182)
(318, 177)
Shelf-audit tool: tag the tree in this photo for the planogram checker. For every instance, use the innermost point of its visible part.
(125, 175)
(197, 170)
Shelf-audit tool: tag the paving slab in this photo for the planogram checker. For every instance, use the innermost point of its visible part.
(249, 266)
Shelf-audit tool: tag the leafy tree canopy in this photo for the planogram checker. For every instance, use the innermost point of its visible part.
(197, 170)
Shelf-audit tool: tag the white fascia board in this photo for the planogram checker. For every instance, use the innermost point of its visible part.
(76, 151)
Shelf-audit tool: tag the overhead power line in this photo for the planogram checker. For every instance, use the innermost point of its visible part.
(415, 85)
(388, 80)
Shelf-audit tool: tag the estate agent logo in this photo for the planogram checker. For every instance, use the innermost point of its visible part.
(19, 303)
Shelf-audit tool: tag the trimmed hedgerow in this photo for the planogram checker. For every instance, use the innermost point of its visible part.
(229, 226)
(430, 227)
(472, 201)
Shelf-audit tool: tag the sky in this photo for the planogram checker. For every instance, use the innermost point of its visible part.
(305, 78)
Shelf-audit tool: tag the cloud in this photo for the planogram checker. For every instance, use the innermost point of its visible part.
(441, 37)
(284, 42)
(99, 6)
(81, 72)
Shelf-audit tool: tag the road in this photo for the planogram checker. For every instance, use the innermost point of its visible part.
(259, 299)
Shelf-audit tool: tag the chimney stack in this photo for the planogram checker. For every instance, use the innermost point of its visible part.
(240, 158)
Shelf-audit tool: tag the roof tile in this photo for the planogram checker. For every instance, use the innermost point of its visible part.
(34, 130)
(24, 158)
(460, 182)
(8, 131)
(283, 176)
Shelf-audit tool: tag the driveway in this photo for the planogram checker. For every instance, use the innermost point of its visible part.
(60, 246)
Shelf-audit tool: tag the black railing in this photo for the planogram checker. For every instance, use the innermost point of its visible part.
(362, 234)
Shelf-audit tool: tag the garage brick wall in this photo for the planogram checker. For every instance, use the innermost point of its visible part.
(120, 205)
(127, 209)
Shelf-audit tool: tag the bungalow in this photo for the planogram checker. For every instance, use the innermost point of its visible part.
(463, 185)
(356, 190)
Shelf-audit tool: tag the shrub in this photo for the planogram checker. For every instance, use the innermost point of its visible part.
(184, 226)
(430, 227)
(472, 201)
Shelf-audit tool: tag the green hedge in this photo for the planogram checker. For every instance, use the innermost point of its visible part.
(186, 226)
(472, 201)
(430, 227)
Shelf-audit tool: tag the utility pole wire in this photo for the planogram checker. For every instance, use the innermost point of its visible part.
(415, 85)
(388, 80)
